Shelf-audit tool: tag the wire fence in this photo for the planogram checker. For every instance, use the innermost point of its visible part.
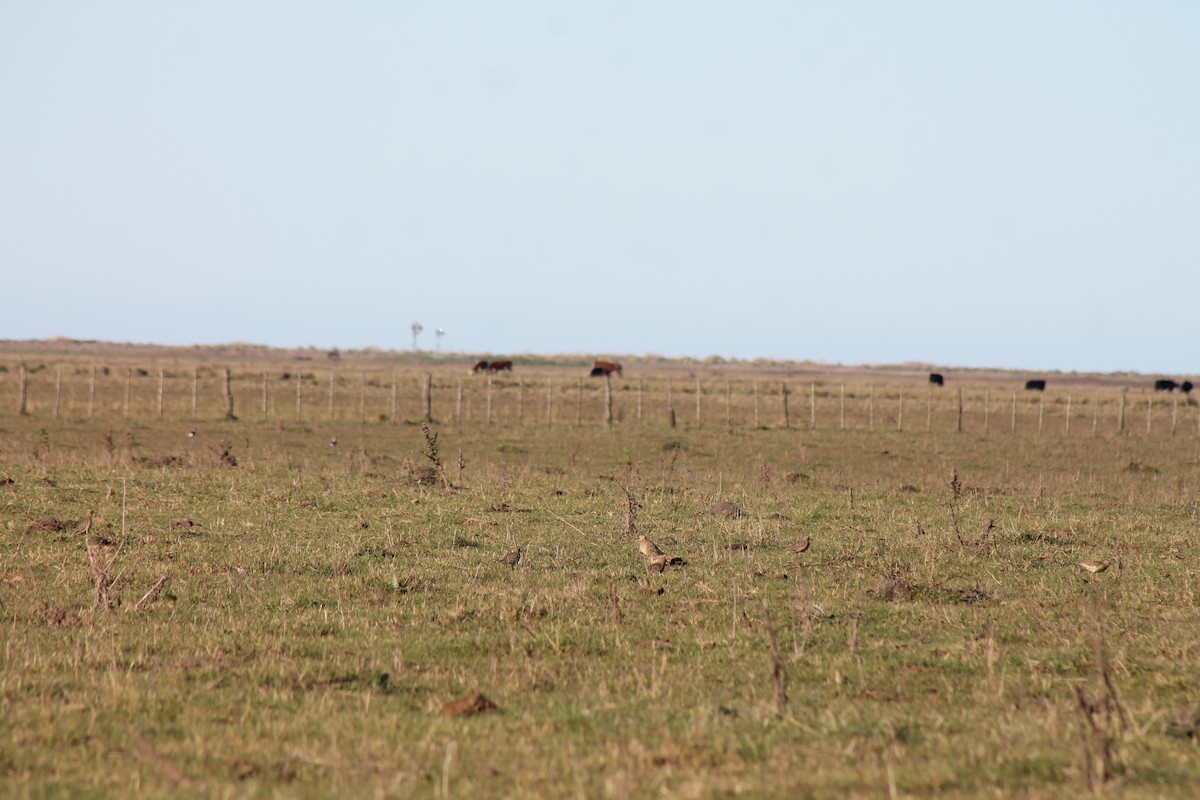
(74, 391)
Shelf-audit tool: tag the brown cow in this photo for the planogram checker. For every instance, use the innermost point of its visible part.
(602, 368)
(499, 366)
(480, 366)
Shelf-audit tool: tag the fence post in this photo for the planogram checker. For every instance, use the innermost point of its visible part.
(697, 402)
(392, 407)
(787, 417)
(756, 403)
(812, 405)
(929, 410)
(266, 398)
(58, 391)
(900, 411)
(427, 397)
(228, 395)
(728, 398)
(670, 407)
(22, 389)
(160, 391)
(578, 401)
(550, 403)
(195, 388)
(1067, 427)
(362, 396)
(1121, 412)
(608, 418)
(1095, 413)
(488, 399)
(960, 409)
(843, 422)
(1174, 413)
(1014, 414)
(871, 410)
(639, 401)
(332, 381)
(521, 400)
(299, 382)
(457, 403)
(125, 403)
(1149, 409)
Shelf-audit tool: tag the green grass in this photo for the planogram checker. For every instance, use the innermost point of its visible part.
(330, 601)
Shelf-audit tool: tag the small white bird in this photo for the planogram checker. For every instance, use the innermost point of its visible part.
(333, 442)
(1095, 567)
(191, 434)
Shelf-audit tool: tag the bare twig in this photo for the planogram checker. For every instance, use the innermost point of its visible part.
(154, 590)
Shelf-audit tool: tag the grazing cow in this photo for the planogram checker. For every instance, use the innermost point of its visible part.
(1186, 387)
(602, 368)
(1165, 385)
(936, 379)
(500, 366)
(480, 366)
(1035, 386)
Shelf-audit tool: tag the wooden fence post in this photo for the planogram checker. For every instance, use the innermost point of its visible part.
(1174, 413)
(427, 397)
(987, 408)
(1095, 413)
(670, 407)
(1121, 413)
(1067, 426)
(488, 399)
(728, 398)
(22, 389)
(697, 402)
(392, 407)
(332, 382)
(639, 401)
(929, 410)
(457, 403)
(362, 396)
(960, 409)
(871, 410)
(578, 401)
(228, 395)
(843, 422)
(58, 391)
(900, 411)
(195, 388)
(299, 381)
(608, 417)
(1041, 407)
(128, 381)
(92, 395)
(756, 404)
(787, 417)
(266, 398)
(812, 405)
(521, 400)
(1149, 410)
(550, 403)
(1014, 413)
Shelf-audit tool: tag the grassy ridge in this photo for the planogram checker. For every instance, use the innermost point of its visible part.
(330, 600)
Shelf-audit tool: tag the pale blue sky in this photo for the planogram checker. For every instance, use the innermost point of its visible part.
(1011, 184)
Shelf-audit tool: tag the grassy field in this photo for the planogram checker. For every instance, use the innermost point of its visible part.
(324, 603)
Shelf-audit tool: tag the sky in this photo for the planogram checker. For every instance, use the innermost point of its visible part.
(985, 184)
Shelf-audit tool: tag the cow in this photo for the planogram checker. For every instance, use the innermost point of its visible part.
(936, 379)
(1035, 386)
(602, 368)
(1165, 385)
(480, 366)
(500, 366)
(1186, 387)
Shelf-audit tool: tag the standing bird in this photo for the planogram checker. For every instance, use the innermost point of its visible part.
(801, 547)
(512, 559)
(649, 549)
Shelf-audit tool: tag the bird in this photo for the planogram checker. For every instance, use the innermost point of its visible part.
(659, 562)
(802, 546)
(191, 434)
(649, 549)
(1094, 567)
(333, 442)
(512, 559)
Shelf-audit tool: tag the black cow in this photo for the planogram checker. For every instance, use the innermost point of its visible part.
(1035, 386)
(1186, 387)
(1165, 385)
(936, 379)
